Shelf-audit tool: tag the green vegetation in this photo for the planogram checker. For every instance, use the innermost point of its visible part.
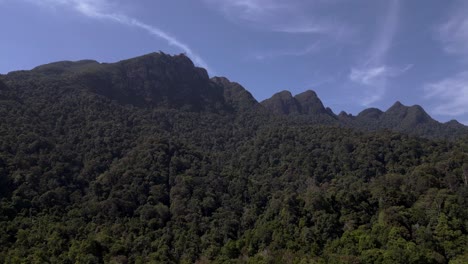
(94, 171)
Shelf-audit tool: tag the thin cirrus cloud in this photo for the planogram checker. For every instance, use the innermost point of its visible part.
(375, 79)
(264, 55)
(103, 9)
(451, 93)
(373, 75)
(454, 32)
(298, 17)
(294, 17)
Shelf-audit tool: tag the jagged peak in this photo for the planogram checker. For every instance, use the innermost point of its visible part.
(344, 116)
(221, 80)
(235, 94)
(283, 94)
(417, 109)
(282, 103)
(329, 111)
(153, 58)
(311, 104)
(61, 67)
(453, 122)
(307, 93)
(397, 105)
(371, 113)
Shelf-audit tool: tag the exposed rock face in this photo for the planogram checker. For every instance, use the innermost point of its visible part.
(310, 103)
(156, 80)
(235, 95)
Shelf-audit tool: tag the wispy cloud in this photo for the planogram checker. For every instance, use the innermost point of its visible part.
(384, 39)
(294, 16)
(373, 74)
(264, 55)
(105, 10)
(375, 80)
(451, 94)
(454, 32)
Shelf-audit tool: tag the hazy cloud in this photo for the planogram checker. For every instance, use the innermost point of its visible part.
(373, 74)
(454, 32)
(294, 17)
(104, 9)
(375, 80)
(263, 55)
(451, 94)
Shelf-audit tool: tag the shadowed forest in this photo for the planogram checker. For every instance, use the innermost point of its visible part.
(149, 160)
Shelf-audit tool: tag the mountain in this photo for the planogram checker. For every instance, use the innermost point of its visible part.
(4, 91)
(235, 95)
(154, 80)
(282, 103)
(148, 160)
(162, 81)
(306, 103)
(305, 107)
(412, 120)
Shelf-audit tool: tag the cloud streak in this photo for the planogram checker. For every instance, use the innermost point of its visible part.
(373, 74)
(454, 32)
(102, 9)
(293, 17)
(375, 80)
(282, 53)
(452, 95)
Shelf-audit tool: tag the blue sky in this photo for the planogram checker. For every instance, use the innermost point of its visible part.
(353, 53)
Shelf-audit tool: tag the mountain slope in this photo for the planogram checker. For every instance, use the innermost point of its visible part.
(102, 163)
(236, 95)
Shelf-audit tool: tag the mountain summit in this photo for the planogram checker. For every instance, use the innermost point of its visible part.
(306, 103)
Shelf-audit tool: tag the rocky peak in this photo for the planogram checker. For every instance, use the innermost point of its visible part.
(282, 103)
(372, 113)
(310, 103)
(155, 80)
(235, 95)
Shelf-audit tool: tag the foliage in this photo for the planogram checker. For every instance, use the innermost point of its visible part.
(85, 178)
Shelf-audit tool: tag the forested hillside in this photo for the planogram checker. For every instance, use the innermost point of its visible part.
(149, 160)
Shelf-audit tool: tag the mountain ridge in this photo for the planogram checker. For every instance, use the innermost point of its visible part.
(174, 82)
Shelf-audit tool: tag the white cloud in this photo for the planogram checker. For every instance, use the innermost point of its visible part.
(373, 74)
(367, 76)
(104, 9)
(374, 80)
(451, 94)
(382, 43)
(454, 32)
